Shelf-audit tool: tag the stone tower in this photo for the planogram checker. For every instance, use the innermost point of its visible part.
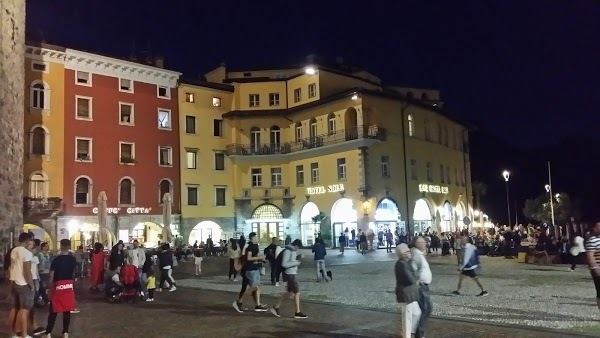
(12, 78)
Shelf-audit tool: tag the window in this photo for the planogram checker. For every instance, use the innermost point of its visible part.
(456, 181)
(37, 140)
(220, 196)
(83, 149)
(313, 129)
(427, 131)
(385, 166)
(165, 186)
(126, 153)
(83, 78)
(189, 97)
(275, 177)
(165, 156)
(331, 124)
(275, 137)
(312, 90)
(448, 175)
(256, 177)
(83, 191)
(126, 85)
(299, 175)
(254, 138)
(254, 100)
(298, 131)
(192, 195)
(216, 101)
(411, 127)
(273, 99)
(38, 185)
(164, 119)
(341, 168)
(39, 66)
(297, 94)
(163, 92)
(314, 172)
(413, 170)
(191, 157)
(83, 107)
(126, 192)
(442, 173)
(190, 124)
(126, 114)
(429, 172)
(219, 161)
(217, 127)
(39, 96)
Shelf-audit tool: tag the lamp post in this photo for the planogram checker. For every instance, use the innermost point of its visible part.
(506, 175)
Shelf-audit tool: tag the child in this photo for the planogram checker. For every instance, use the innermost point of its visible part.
(198, 261)
(150, 285)
(114, 284)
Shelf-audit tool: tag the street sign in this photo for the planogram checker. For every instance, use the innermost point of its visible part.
(467, 220)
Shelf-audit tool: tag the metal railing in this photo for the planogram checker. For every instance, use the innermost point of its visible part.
(335, 137)
(33, 205)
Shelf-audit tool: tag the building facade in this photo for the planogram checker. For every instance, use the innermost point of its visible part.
(121, 137)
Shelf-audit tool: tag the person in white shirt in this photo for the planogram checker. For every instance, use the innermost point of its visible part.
(137, 257)
(577, 249)
(421, 266)
(469, 265)
(22, 287)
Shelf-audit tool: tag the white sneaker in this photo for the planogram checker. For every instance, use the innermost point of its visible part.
(149, 299)
(172, 289)
(65, 335)
(47, 336)
(235, 279)
(75, 311)
(277, 284)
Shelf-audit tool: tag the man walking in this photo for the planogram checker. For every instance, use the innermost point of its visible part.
(423, 272)
(389, 239)
(250, 275)
(21, 288)
(290, 262)
(137, 257)
(320, 253)
(469, 266)
(271, 253)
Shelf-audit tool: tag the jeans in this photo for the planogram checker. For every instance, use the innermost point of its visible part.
(274, 272)
(166, 275)
(44, 282)
(426, 306)
(320, 265)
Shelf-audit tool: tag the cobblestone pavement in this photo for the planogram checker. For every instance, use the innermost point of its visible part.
(207, 314)
(521, 294)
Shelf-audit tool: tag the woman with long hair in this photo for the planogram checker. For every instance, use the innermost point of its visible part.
(117, 256)
(234, 255)
(98, 259)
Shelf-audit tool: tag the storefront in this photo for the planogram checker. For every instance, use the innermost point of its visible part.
(343, 217)
(146, 233)
(267, 222)
(205, 230)
(447, 221)
(422, 217)
(309, 229)
(387, 217)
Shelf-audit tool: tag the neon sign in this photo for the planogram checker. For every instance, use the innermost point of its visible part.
(325, 189)
(436, 189)
(131, 211)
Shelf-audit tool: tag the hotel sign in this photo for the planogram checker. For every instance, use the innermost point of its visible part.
(436, 189)
(131, 211)
(325, 189)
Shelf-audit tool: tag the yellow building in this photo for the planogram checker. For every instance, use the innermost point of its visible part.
(44, 135)
(324, 147)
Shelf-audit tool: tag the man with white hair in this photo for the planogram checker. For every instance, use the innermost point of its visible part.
(421, 266)
(407, 290)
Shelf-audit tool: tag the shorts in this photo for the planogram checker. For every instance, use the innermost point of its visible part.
(22, 296)
(470, 273)
(197, 260)
(292, 284)
(253, 277)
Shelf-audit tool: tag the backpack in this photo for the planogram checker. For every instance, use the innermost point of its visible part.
(279, 264)
(270, 253)
(129, 274)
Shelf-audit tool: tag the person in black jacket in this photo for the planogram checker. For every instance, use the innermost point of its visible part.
(117, 256)
(271, 254)
(165, 262)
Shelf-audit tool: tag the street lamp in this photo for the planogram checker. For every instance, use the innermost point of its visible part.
(506, 175)
(549, 191)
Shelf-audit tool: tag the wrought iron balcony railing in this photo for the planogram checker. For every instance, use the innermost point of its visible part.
(373, 132)
(33, 205)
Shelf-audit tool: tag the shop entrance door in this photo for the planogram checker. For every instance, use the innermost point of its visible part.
(267, 230)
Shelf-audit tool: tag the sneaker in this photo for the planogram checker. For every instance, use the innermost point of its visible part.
(275, 312)
(65, 335)
(482, 294)
(235, 279)
(47, 336)
(277, 284)
(39, 331)
(260, 308)
(149, 299)
(75, 311)
(456, 293)
(300, 315)
(238, 307)
(173, 288)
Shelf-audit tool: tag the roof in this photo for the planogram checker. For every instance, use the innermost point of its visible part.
(206, 84)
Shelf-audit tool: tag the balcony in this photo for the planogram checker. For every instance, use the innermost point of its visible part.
(355, 135)
(265, 193)
(40, 208)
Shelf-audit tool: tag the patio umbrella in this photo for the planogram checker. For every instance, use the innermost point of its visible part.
(166, 234)
(102, 217)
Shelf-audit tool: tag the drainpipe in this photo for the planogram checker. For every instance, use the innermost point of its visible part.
(408, 224)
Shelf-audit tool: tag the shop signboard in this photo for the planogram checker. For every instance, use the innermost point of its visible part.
(131, 211)
(436, 189)
(325, 189)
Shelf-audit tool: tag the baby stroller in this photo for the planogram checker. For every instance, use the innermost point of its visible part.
(131, 283)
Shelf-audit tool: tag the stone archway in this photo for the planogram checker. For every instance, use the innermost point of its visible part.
(41, 234)
(344, 216)
(203, 230)
(422, 216)
(308, 228)
(267, 222)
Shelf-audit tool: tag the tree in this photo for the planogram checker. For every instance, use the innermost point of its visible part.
(479, 190)
(539, 209)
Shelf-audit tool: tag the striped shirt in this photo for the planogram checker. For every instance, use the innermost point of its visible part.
(593, 245)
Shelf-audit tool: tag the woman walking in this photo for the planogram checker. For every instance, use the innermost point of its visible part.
(98, 259)
(407, 291)
(234, 256)
(198, 261)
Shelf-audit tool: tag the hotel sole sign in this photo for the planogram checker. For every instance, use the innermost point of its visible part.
(325, 189)
(131, 211)
(436, 189)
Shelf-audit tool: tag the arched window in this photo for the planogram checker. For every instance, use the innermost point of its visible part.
(298, 131)
(37, 140)
(165, 186)
(275, 136)
(255, 138)
(313, 128)
(83, 191)
(331, 123)
(39, 97)
(126, 192)
(411, 127)
(38, 185)
(427, 131)
(424, 97)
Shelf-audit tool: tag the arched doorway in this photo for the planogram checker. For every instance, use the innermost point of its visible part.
(422, 217)
(40, 234)
(204, 230)
(446, 224)
(460, 215)
(308, 228)
(344, 216)
(351, 124)
(387, 218)
(147, 233)
(86, 234)
(267, 221)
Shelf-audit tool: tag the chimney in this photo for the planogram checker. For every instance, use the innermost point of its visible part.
(159, 61)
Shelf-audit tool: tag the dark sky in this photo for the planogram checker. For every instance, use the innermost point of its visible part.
(525, 70)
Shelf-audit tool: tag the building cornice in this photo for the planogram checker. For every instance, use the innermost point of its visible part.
(107, 66)
(45, 54)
